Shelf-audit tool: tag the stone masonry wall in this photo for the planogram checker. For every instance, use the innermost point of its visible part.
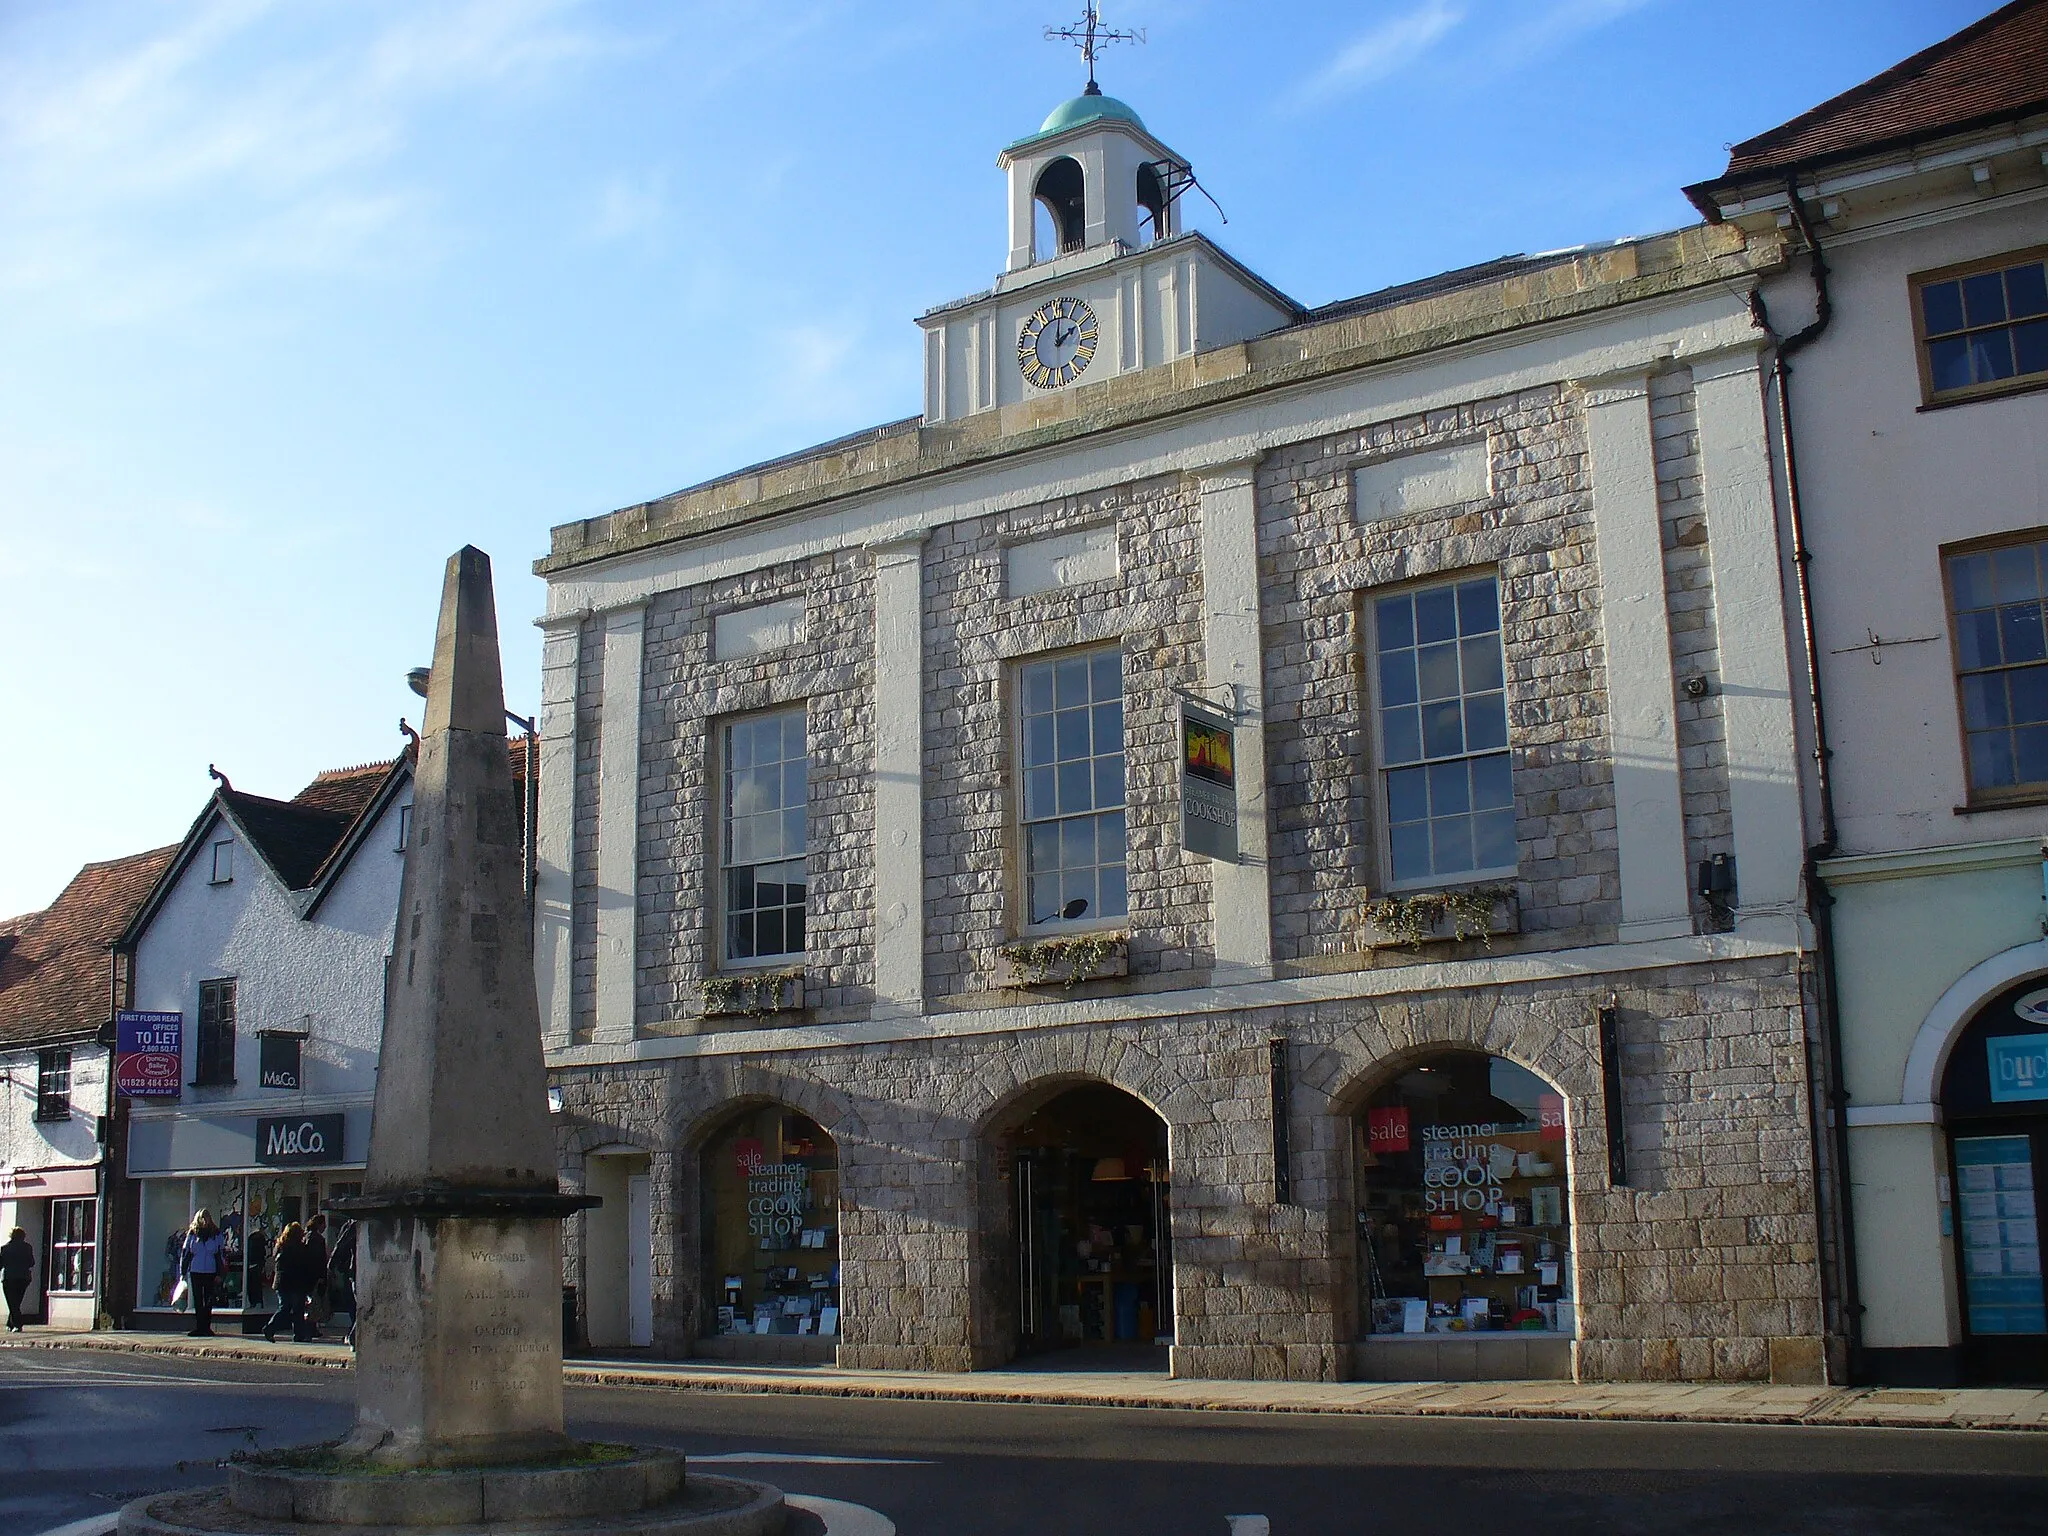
(974, 634)
(1320, 564)
(1695, 647)
(689, 693)
(583, 840)
(1702, 1267)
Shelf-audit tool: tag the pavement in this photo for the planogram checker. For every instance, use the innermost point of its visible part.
(1968, 1408)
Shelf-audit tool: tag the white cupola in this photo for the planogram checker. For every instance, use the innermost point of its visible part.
(1091, 175)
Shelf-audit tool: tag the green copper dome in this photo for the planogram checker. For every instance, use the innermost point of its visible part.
(1086, 109)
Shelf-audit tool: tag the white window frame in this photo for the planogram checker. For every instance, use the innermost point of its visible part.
(90, 1247)
(1383, 809)
(223, 870)
(721, 737)
(404, 826)
(1020, 824)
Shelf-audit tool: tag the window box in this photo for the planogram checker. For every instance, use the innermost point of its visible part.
(1065, 960)
(1414, 918)
(753, 994)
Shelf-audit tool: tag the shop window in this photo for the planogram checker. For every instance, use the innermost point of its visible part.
(1464, 1218)
(1071, 757)
(73, 1246)
(1982, 328)
(1448, 792)
(2001, 656)
(771, 1226)
(53, 1083)
(766, 773)
(214, 1046)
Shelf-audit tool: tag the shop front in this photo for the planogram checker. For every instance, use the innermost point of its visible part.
(254, 1173)
(59, 1209)
(1464, 1224)
(771, 1238)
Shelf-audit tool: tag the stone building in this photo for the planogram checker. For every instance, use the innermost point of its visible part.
(891, 1005)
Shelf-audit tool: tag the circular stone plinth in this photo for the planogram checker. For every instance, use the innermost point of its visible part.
(345, 1494)
(704, 1506)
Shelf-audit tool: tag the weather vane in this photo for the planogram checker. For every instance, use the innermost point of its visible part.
(1091, 37)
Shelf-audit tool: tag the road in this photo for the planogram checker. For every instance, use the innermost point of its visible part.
(80, 1433)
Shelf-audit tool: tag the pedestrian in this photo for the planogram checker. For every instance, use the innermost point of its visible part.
(17, 1265)
(341, 1274)
(295, 1279)
(319, 1306)
(203, 1256)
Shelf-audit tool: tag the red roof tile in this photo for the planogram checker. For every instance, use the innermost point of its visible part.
(344, 791)
(1995, 67)
(54, 978)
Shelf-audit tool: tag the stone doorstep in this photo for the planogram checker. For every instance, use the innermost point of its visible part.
(1975, 1408)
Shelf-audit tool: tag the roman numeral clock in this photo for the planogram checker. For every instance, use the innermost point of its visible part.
(1056, 342)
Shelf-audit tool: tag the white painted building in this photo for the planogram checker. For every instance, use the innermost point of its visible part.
(1920, 426)
(268, 935)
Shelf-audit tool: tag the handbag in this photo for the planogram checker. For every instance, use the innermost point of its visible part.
(181, 1290)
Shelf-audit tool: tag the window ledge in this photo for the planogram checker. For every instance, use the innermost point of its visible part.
(2018, 802)
(754, 993)
(1064, 960)
(1981, 393)
(1404, 919)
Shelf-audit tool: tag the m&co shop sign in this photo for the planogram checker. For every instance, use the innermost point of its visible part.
(148, 1054)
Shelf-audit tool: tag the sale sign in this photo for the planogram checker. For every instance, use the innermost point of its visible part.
(1386, 1130)
(1550, 1121)
(148, 1054)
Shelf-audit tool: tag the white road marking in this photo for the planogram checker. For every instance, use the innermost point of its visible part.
(83, 1375)
(1249, 1525)
(842, 1518)
(91, 1525)
(788, 1458)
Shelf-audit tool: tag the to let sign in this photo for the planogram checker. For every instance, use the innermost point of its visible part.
(1208, 785)
(148, 1054)
(286, 1141)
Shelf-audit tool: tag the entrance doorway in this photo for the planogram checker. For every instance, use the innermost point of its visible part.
(1094, 1261)
(619, 1266)
(1994, 1099)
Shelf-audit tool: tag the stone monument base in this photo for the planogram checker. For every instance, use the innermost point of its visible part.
(641, 1493)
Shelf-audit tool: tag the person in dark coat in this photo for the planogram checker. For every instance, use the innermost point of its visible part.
(295, 1280)
(319, 1305)
(341, 1274)
(17, 1268)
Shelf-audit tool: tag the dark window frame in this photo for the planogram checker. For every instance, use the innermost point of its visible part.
(2001, 797)
(213, 1036)
(53, 1084)
(1918, 282)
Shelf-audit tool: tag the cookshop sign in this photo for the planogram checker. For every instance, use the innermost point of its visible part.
(286, 1141)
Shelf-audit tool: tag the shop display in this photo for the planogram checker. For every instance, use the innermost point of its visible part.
(250, 1211)
(1462, 1219)
(2001, 1237)
(771, 1223)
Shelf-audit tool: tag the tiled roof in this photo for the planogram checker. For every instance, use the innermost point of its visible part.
(1994, 68)
(54, 978)
(344, 791)
(295, 839)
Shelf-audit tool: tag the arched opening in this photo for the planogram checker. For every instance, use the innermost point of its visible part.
(770, 1178)
(1464, 1215)
(618, 1267)
(1994, 1100)
(1061, 197)
(1090, 1218)
(1151, 204)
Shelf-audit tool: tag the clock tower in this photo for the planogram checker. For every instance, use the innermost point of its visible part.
(1101, 278)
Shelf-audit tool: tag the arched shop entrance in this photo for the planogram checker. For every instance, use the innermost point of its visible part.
(771, 1237)
(1464, 1222)
(1994, 1100)
(1090, 1182)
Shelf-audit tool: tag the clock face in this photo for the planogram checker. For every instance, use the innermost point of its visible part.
(1056, 343)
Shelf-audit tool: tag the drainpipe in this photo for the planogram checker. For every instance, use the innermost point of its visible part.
(1820, 901)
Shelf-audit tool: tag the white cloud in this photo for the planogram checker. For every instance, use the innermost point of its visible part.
(626, 206)
(1392, 45)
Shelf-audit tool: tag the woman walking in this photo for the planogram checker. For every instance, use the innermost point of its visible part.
(17, 1265)
(296, 1277)
(202, 1259)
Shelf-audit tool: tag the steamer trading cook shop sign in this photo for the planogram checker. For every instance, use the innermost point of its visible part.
(148, 1054)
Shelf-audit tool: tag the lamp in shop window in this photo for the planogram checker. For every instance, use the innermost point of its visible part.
(1109, 1170)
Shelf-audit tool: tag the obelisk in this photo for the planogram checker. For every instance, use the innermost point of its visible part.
(459, 1345)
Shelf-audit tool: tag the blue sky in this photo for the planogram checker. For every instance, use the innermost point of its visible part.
(298, 297)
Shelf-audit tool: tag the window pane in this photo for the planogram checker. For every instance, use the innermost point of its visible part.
(1113, 900)
(1070, 681)
(2029, 694)
(1070, 734)
(1108, 670)
(1038, 796)
(1409, 848)
(1450, 789)
(1038, 688)
(2030, 750)
(2013, 575)
(793, 930)
(1984, 702)
(1402, 729)
(1441, 733)
(1481, 658)
(1436, 615)
(1077, 895)
(2026, 289)
(1486, 722)
(792, 833)
(1493, 782)
(1437, 671)
(1478, 608)
(1109, 838)
(1451, 845)
(1077, 842)
(1984, 298)
(768, 931)
(796, 782)
(1109, 781)
(1396, 621)
(2019, 628)
(1990, 356)
(1494, 840)
(1971, 577)
(1109, 727)
(1941, 307)
(793, 735)
(1408, 795)
(1042, 846)
(1948, 363)
(1990, 759)
(1397, 677)
(1044, 901)
(2030, 347)
(739, 745)
(1977, 638)
(1076, 782)
(739, 936)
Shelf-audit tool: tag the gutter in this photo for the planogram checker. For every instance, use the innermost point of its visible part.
(1820, 901)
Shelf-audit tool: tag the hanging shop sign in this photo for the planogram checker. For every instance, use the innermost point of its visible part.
(287, 1141)
(148, 1054)
(278, 1059)
(2019, 1068)
(1208, 784)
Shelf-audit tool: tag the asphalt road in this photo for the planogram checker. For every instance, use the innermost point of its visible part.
(81, 1433)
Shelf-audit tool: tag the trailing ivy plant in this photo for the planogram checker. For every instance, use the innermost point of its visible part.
(753, 993)
(1082, 955)
(1421, 917)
